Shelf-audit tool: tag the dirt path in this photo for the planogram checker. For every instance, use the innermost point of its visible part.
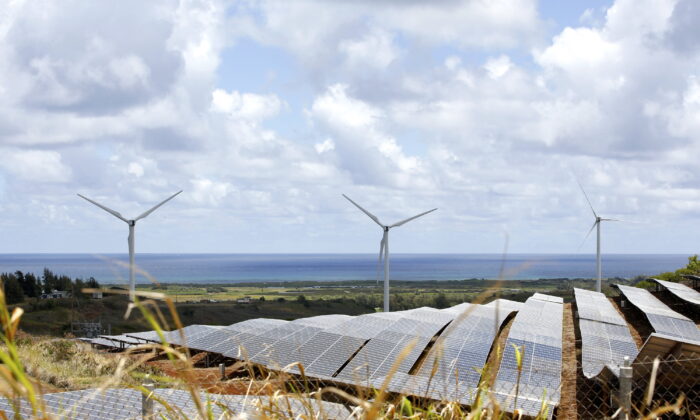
(494, 360)
(567, 404)
(209, 379)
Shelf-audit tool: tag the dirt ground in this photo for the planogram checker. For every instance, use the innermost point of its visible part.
(209, 379)
(494, 360)
(567, 405)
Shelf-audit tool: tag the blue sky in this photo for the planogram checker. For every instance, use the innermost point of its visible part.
(265, 111)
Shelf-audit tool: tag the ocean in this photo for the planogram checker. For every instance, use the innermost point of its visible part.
(237, 268)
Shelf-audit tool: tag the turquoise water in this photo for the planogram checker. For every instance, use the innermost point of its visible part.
(232, 268)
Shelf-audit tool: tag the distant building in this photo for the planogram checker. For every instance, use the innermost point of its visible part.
(97, 295)
(245, 299)
(55, 294)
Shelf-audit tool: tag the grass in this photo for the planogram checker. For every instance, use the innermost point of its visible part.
(63, 364)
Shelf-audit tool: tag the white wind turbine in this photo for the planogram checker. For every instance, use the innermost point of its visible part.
(132, 225)
(596, 225)
(384, 244)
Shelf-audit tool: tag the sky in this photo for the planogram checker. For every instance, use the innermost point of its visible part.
(265, 111)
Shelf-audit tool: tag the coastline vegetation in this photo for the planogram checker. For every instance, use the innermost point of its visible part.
(18, 285)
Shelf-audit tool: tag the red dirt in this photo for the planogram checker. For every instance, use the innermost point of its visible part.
(209, 379)
(567, 404)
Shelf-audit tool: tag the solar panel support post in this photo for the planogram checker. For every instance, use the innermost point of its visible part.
(222, 369)
(147, 401)
(625, 395)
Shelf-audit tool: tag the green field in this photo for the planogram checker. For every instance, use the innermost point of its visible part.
(217, 304)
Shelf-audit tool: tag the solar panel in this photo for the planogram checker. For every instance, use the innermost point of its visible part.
(327, 351)
(547, 298)
(537, 332)
(117, 404)
(663, 319)
(595, 306)
(285, 350)
(605, 337)
(243, 330)
(681, 291)
(451, 367)
(413, 331)
(183, 336)
(147, 336)
(115, 341)
(511, 305)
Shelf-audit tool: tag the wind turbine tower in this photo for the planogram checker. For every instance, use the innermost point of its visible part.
(384, 244)
(596, 225)
(132, 226)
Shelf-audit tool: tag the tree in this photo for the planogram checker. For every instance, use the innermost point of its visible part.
(12, 288)
(302, 299)
(49, 280)
(692, 268)
(441, 301)
(29, 284)
(91, 283)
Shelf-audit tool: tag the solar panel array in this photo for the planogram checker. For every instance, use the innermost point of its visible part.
(188, 334)
(681, 291)
(450, 371)
(506, 304)
(327, 351)
(227, 340)
(663, 319)
(537, 332)
(605, 337)
(117, 404)
(411, 332)
(285, 350)
(146, 336)
(115, 341)
(362, 348)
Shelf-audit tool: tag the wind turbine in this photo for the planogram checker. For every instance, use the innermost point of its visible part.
(132, 225)
(596, 225)
(384, 244)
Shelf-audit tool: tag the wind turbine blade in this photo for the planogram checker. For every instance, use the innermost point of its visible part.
(156, 206)
(586, 195)
(588, 234)
(612, 220)
(411, 218)
(371, 216)
(105, 208)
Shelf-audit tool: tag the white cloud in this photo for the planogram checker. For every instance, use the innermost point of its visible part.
(498, 67)
(580, 51)
(326, 146)
(245, 106)
(401, 112)
(363, 146)
(207, 191)
(135, 169)
(375, 50)
(34, 165)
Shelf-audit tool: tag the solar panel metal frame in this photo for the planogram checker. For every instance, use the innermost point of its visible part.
(378, 356)
(537, 330)
(681, 291)
(663, 319)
